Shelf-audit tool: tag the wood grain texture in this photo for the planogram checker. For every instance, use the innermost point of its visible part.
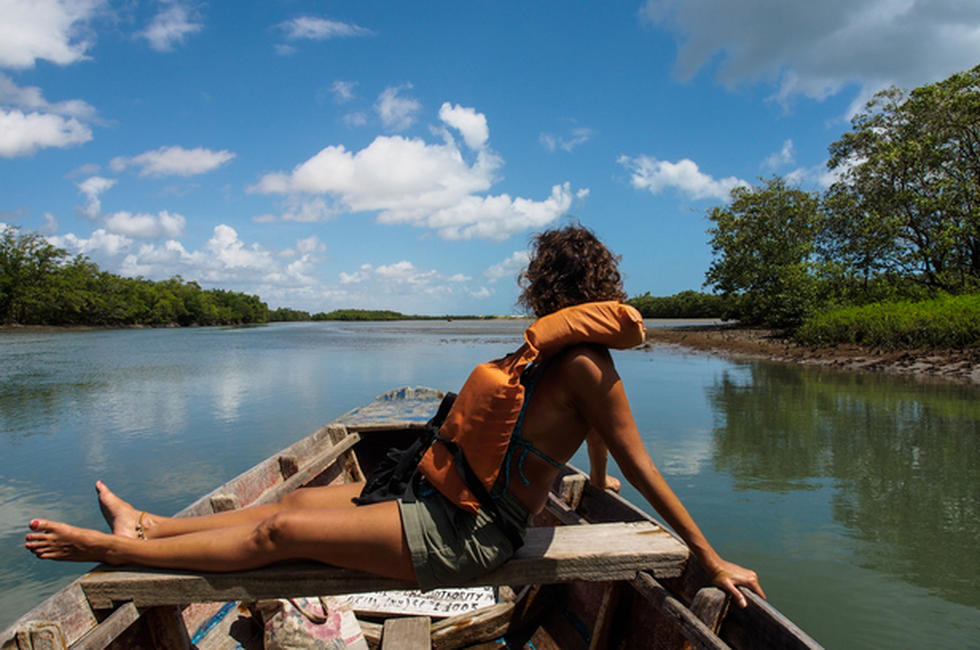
(108, 630)
(601, 552)
(699, 634)
(407, 633)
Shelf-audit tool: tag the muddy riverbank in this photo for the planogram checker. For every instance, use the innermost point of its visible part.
(735, 342)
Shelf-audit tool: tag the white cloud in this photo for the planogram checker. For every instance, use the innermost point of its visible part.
(146, 226)
(30, 98)
(311, 244)
(577, 136)
(284, 50)
(224, 259)
(50, 226)
(818, 175)
(22, 134)
(508, 268)
(407, 180)
(815, 49)
(320, 29)
(355, 119)
(401, 285)
(471, 125)
(170, 27)
(100, 242)
(52, 30)
(397, 113)
(174, 161)
(490, 217)
(343, 91)
(654, 175)
(93, 187)
(783, 157)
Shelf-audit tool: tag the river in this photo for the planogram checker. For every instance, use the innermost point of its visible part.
(856, 497)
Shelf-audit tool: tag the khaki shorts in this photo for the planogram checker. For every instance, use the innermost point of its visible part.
(451, 545)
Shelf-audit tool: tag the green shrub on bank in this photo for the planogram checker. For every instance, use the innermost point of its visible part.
(360, 315)
(947, 322)
(686, 304)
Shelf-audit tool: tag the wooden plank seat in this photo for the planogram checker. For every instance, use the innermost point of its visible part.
(599, 552)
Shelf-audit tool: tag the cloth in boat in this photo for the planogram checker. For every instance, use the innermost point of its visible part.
(451, 545)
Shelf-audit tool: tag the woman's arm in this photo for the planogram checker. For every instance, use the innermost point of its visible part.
(600, 398)
(598, 458)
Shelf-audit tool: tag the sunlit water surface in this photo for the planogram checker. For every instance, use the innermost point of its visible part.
(855, 497)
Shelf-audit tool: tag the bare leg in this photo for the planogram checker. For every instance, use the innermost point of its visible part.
(122, 517)
(368, 538)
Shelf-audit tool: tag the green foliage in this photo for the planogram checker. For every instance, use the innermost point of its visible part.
(763, 243)
(41, 285)
(284, 314)
(908, 200)
(686, 304)
(361, 315)
(946, 322)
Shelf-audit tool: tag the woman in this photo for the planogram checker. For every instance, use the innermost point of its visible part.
(577, 396)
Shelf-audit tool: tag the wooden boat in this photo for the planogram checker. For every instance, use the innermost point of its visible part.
(595, 572)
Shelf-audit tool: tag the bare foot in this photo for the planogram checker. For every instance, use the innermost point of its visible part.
(120, 516)
(56, 541)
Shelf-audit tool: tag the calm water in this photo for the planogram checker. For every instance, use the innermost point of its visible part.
(855, 497)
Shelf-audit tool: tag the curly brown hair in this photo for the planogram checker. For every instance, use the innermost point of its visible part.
(569, 266)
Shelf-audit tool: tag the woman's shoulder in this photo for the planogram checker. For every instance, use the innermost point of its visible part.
(585, 363)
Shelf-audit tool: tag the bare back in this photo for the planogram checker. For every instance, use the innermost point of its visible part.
(554, 423)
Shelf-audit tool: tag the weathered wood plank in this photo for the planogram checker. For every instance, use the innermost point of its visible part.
(562, 512)
(311, 468)
(407, 633)
(105, 632)
(710, 604)
(690, 625)
(604, 617)
(68, 607)
(572, 487)
(596, 553)
(761, 625)
(464, 630)
(40, 635)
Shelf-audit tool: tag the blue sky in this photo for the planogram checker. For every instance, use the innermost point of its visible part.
(400, 155)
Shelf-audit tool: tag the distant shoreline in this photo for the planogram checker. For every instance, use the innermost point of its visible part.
(961, 366)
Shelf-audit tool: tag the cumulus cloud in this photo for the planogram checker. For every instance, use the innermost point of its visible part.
(93, 187)
(815, 49)
(397, 113)
(576, 137)
(170, 27)
(174, 161)
(343, 91)
(781, 158)
(99, 243)
(146, 226)
(407, 180)
(31, 98)
(404, 286)
(470, 124)
(225, 258)
(52, 30)
(655, 176)
(508, 268)
(356, 118)
(321, 29)
(22, 134)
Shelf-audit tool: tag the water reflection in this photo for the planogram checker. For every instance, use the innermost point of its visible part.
(902, 456)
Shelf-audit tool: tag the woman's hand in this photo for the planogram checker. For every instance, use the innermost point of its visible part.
(729, 577)
(608, 483)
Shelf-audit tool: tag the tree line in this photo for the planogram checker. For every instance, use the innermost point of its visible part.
(41, 284)
(901, 224)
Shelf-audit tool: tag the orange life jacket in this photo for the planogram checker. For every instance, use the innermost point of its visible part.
(489, 403)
